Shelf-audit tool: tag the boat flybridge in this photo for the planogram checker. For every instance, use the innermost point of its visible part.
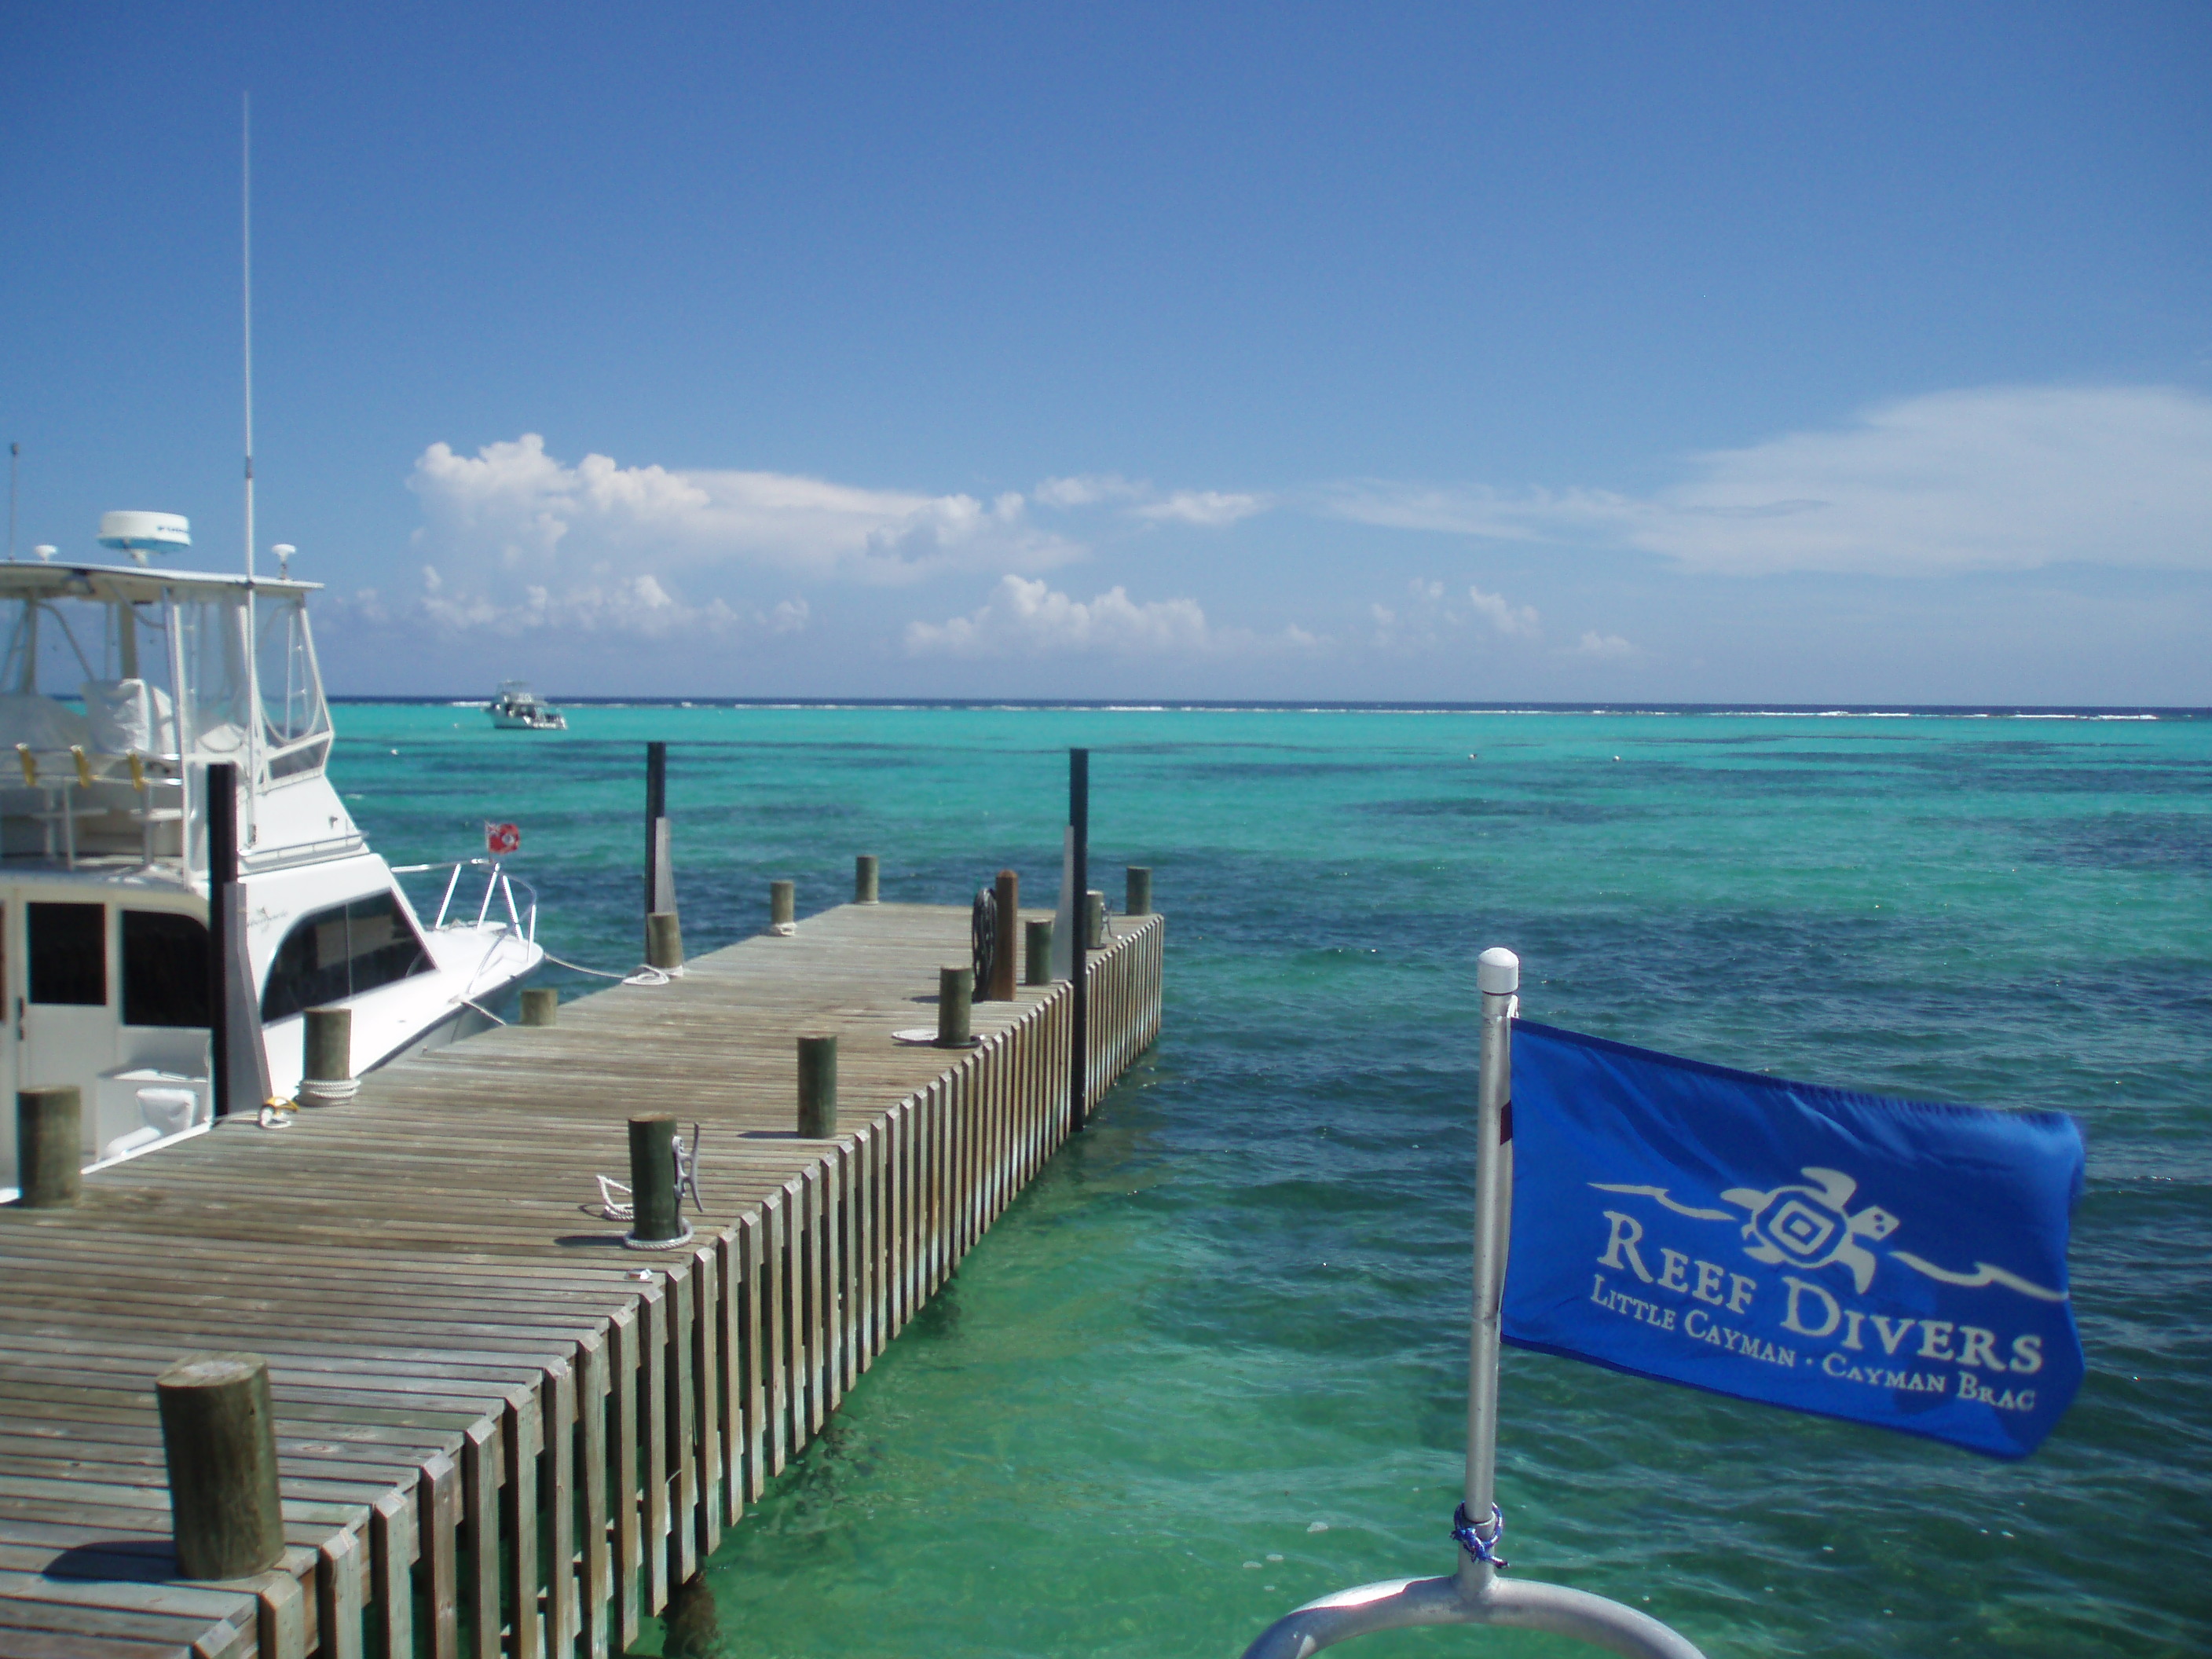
(119, 687)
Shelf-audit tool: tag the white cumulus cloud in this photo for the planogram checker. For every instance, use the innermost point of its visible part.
(1088, 488)
(514, 508)
(1503, 615)
(1595, 644)
(1026, 618)
(633, 605)
(1990, 478)
(1138, 499)
(1209, 508)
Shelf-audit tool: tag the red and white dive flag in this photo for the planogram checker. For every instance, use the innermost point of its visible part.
(500, 839)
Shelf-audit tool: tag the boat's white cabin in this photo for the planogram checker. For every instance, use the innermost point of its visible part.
(118, 687)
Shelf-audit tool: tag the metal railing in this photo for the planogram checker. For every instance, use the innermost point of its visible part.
(498, 885)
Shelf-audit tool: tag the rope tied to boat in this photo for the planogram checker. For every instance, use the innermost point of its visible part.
(1472, 1541)
(643, 976)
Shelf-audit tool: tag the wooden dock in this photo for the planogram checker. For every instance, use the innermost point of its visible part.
(500, 1431)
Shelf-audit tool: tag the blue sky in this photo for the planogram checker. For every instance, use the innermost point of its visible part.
(1809, 354)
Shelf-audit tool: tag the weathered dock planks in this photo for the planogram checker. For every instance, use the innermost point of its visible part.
(499, 1432)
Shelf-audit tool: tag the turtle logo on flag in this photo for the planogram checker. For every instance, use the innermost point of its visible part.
(502, 838)
(1812, 1226)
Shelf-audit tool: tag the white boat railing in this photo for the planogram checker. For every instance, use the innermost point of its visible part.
(499, 886)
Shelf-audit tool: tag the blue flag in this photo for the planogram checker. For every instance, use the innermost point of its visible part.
(1891, 1261)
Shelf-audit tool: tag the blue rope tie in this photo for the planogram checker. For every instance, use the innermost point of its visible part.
(1472, 1542)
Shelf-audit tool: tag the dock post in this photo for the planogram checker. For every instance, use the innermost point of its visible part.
(864, 880)
(1008, 896)
(1094, 920)
(659, 854)
(656, 1211)
(956, 990)
(50, 1147)
(541, 1005)
(818, 1087)
(219, 1436)
(1140, 891)
(1078, 1049)
(782, 908)
(1036, 952)
(664, 941)
(327, 1077)
(238, 1067)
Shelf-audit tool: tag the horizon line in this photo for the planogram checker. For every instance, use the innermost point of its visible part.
(1173, 705)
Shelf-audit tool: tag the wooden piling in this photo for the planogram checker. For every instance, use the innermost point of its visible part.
(818, 1086)
(1004, 968)
(1037, 952)
(49, 1146)
(219, 1440)
(956, 990)
(326, 1046)
(657, 1216)
(864, 880)
(1094, 919)
(782, 907)
(541, 1005)
(664, 941)
(1140, 890)
(1079, 838)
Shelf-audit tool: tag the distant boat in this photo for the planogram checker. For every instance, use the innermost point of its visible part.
(518, 708)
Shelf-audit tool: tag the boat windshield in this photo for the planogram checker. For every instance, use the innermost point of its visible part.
(116, 673)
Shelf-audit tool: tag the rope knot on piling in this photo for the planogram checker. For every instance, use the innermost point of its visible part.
(1473, 1543)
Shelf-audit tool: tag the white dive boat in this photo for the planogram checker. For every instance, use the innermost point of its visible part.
(518, 708)
(121, 686)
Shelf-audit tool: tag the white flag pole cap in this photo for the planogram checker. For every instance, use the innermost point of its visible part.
(1498, 972)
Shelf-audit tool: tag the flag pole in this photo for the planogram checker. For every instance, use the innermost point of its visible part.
(1497, 976)
(1474, 1594)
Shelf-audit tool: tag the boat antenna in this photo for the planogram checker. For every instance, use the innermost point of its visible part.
(14, 451)
(245, 294)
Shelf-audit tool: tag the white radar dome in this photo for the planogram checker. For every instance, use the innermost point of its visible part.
(141, 533)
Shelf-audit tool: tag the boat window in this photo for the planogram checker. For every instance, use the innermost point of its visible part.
(165, 969)
(214, 643)
(291, 690)
(68, 954)
(341, 952)
(305, 758)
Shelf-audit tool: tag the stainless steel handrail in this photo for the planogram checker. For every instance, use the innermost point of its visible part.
(498, 883)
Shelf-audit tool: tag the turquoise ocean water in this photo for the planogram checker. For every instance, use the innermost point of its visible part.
(1212, 1363)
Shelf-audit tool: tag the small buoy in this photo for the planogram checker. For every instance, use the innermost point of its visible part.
(396, 751)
